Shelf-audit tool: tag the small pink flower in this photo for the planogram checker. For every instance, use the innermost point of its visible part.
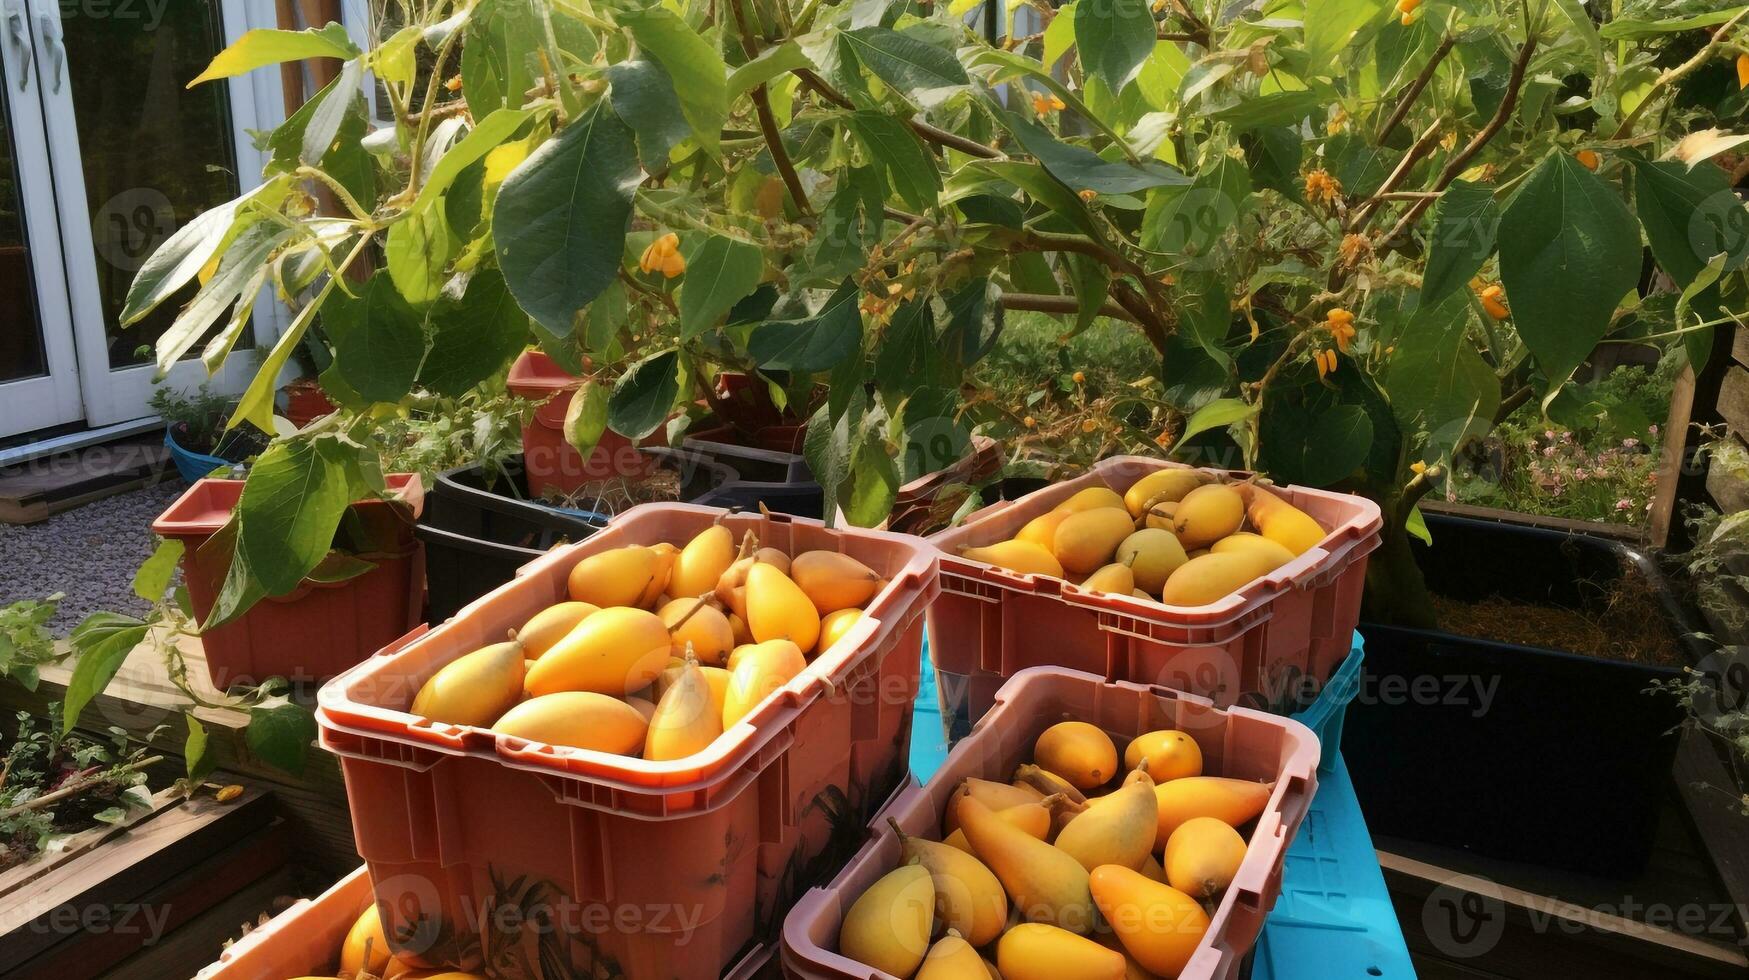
(1624, 504)
(1652, 430)
(1549, 452)
(1629, 443)
(1548, 433)
(1579, 474)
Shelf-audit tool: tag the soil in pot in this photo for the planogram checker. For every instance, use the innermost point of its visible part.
(612, 495)
(1623, 622)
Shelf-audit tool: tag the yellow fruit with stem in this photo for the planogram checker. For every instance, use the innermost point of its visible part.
(1115, 577)
(687, 719)
(996, 796)
(1206, 578)
(888, 926)
(1231, 801)
(1271, 554)
(548, 626)
(666, 554)
(1117, 829)
(1022, 557)
(702, 625)
(1171, 754)
(777, 608)
(968, 898)
(1152, 555)
(1032, 818)
(615, 651)
(702, 562)
(758, 672)
(1042, 530)
(475, 688)
(365, 947)
(952, 958)
(1045, 884)
(834, 581)
(1087, 540)
(579, 719)
(1036, 951)
(1161, 486)
(1203, 856)
(1078, 752)
(1157, 924)
(616, 577)
(1208, 514)
(1282, 522)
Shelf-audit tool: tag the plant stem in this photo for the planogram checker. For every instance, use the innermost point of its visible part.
(77, 786)
(768, 120)
(1674, 75)
(940, 137)
(1041, 303)
(417, 150)
(1414, 90)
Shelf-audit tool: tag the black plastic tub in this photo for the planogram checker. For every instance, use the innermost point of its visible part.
(479, 526)
(780, 480)
(1518, 751)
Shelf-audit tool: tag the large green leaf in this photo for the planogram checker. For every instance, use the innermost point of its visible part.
(259, 47)
(1114, 38)
(644, 395)
(1217, 414)
(920, 71)
(1569, 252)
(417, 252)
(1082, 169)
(486, 136)
(771, 63)
(1690, 215)
(473, 338)
(559, 224)
(910, 170)
(240, 266)
(498, 55)
(378, 340)
(720, 271)
(325, 120)
(829, 444)
(700, 77)
(1188, 220)
(280, 733)
(644, 95)
(156, 573)
(1630, 28)
(256, 405)
(817, 343)
(291, 505)
(1274, 153)
(1466, 222)
(586, 417)
(1439, 386)
(1331, 446)
(874, 481)
(102, 641)
(1330, 25)
(1039, 185)
(173, 264)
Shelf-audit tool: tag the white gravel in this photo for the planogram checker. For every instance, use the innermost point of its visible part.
(90, 553)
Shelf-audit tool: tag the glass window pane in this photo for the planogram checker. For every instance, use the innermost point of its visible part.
(21, 336)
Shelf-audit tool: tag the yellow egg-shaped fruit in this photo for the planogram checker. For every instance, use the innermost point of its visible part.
(1171, 754)
(1091, 498)
(616, 577)
(702, 562)
(1115, 577)
(687, 719)
(705, 627)
(1283, 523)
(758, 672)
(952, 958)
(579, 719)
(1152, 555)
(1207, 578)
(1035, 951)
(365, 947)
(834, 626)
(1231, 801)
(888, 926)
(1208, 514)
(1203, 856)
(615, 651)
(1088, 539)
(666, 554)
(1157, 924)
(1161, 486)
(834, 581)
(475, 688)
(1272, 554)
(1042, 530)
(1078, 752)
(777, 609)
(1022, 557)
(546, 627)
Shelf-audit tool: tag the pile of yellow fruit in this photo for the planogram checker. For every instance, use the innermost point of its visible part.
(1055, 875)
(364, 955)
(1176, 536)
(660, 649)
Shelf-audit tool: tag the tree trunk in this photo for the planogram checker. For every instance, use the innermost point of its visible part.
(1396, 591)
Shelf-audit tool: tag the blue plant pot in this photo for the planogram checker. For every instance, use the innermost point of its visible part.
(192, 465)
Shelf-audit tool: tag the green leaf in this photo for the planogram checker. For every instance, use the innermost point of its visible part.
(1090, 280)
(486, 136)
(155, 573)
(1361, 167)
(586, 417)
(416, 253)
(176, 262)
(1275, 109)
(771, 63)
(498, 54)
(700, 77)
(644, 396)
(817, 343)
(195, 749)
(1082, 169)
(1059, 36)
(1041, 187)
(1218, 414)
(1466, 223)
(1330, 25)
(974, 322)
(1188, 220)
(1335, 445)
(102, 642)
(560, 221)
(292, 502)
(644, 95)
(397, 59)
(827, 444)
(1114, 37)
(1703, 293)
(1689, 216)
(280, 735)
(720, 271)
(1274, 153)
(911, 172)
(1569, 252)
(269, 47)
(873, 483)
(920, 71)
(474, 338)
(1416, 525)
(326, 118)
(1580, 18)
(378, 341)
(1438, 385)
(1631, 28)
(256, 405)
(240, 266)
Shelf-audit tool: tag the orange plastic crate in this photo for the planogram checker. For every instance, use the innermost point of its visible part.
(302, 941)
(1236, 742)
(1264, 646)
(679, 868)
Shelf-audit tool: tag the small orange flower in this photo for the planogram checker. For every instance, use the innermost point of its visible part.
(663, 254)
(1089, 425)
(1080, 378)
(1043, 103)
(1087, 194)
(1338, 121)
(1494, 301)
(453, 83)
(1354, 248)
(1029, 422)
(1743, 71)
(1321, 188)
(1588, 159)
(1163, 440)
(1340, 323)
(1418, 467)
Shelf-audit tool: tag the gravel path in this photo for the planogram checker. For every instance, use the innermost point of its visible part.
(90, 553)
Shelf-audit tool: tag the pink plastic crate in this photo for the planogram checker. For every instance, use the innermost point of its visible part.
(304, 940)
(647, 869)
(1236, 742)
(1259, 647)
(320, 628)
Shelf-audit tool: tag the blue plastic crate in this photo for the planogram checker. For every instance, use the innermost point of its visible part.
(928, 737)
(1326, 714)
